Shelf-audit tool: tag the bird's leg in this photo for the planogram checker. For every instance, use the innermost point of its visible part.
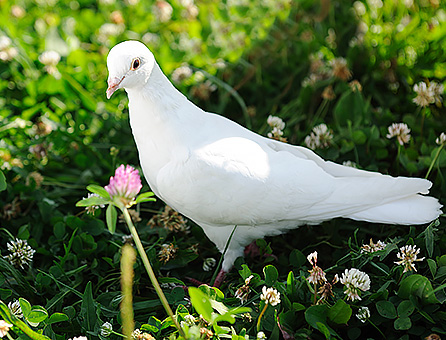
(220, 278)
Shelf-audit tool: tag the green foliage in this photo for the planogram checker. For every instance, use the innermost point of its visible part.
(248, 60)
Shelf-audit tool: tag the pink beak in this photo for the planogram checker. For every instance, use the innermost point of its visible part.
(113, 85)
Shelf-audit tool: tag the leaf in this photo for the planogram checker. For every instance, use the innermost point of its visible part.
(419, 286)
(323, 329)
(429, 236)
(405, 308)
(58, 317)
(245, 272)
(271, 275)
(6, 315)
(96, 189)
(94, 200)
(200, 301)
(2, 181)
(340, 312)
(432, 266)
(145, 197)
(37, 315)
(386, 309)
(402, 324)
(25, 306)
(88, 309)
(315, 314)
(111, 216)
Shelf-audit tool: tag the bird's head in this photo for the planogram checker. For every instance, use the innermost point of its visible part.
(129, 64)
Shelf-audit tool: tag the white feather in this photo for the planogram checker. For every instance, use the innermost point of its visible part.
(220, 174)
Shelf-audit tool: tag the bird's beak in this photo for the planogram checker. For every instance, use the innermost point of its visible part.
(113, 84)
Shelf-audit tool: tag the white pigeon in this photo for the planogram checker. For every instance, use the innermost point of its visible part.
(221, 175)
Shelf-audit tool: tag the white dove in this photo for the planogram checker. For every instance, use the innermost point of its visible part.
(221, 175)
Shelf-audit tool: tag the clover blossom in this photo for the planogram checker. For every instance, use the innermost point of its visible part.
(125, 185)
(21, 253)
(373, 247)
(320, 138)
(270, 296)
(106, 329)
(442, 139)
(317, 275)
(401, 131)
(354, 280)
(425, 94)
(408, 255)
(363, 314)
(15, 308)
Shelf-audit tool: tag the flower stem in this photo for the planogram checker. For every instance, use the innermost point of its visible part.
(149, 269)
(260, 317)
(434, 161)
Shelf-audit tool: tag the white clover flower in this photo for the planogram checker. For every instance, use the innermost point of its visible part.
(110, 30)
(320, 138)
(248, 279)
(15, 308)
(425, 95)
(408, 255)
(209, 264)
(21, 253)
(270, 296)
(317, 275)
(312, 258)
(5, 42)
(350, 164)
(436, 90)
(354, 280)
(181, 73)
(151, 38)
(168, 252)
(106, 329)
(49, 58)
(275, 121)
(363, 314)
(401, 131)
(4, 328)
(442, 139)
(163, 11)
(261, 336)
(79, 338)
(373, 247)
(189, 319)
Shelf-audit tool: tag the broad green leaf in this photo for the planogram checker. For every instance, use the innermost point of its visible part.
(37, 315)
(57, 317)
(271, 275)
(111, 216)
(386, 309)
(298, 306)
(419, 286)
(6, 315)
(94, 200)
(340, 312)
(2, 181)
(245, 272)
(25, 306)
(317, 313)
(432, 266)
(405, 308)
(96, 189)
(200, 301)
(402, 324)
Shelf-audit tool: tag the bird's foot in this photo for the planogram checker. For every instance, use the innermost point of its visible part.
(219, 279)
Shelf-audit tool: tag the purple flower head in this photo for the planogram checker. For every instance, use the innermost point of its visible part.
(125, 185)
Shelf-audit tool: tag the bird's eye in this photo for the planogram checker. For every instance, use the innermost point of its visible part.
(135, 63)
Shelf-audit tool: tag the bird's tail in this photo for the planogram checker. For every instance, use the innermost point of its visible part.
(414, 209)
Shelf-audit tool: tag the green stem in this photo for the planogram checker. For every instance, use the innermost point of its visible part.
(384, 337)
(260, 317)
(149, 269)
(222, 256)
(434, 161)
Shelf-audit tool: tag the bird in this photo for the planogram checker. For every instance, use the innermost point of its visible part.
(225, 177)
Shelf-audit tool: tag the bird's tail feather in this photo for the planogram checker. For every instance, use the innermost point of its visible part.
(415, 209)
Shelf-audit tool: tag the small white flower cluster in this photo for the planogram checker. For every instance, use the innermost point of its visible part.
(354, 280)
(270, 295)
(373, 247)
(190, 9)
(108, 30)
(317, 275)
(15, 308)
(163, 11)
(401, 131)
(442, 139)
(363, 314)
(7, 52)
(79, 338)
(106, 329)
(277, 125)
(188, 320)
(92, 208)
(181, 73)
(21, 253)
(50, 59)
(261, 336)
(320, 138)
(209, 264)
(4, 328)
(243, 292)
(408, 256)
(428, 94)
